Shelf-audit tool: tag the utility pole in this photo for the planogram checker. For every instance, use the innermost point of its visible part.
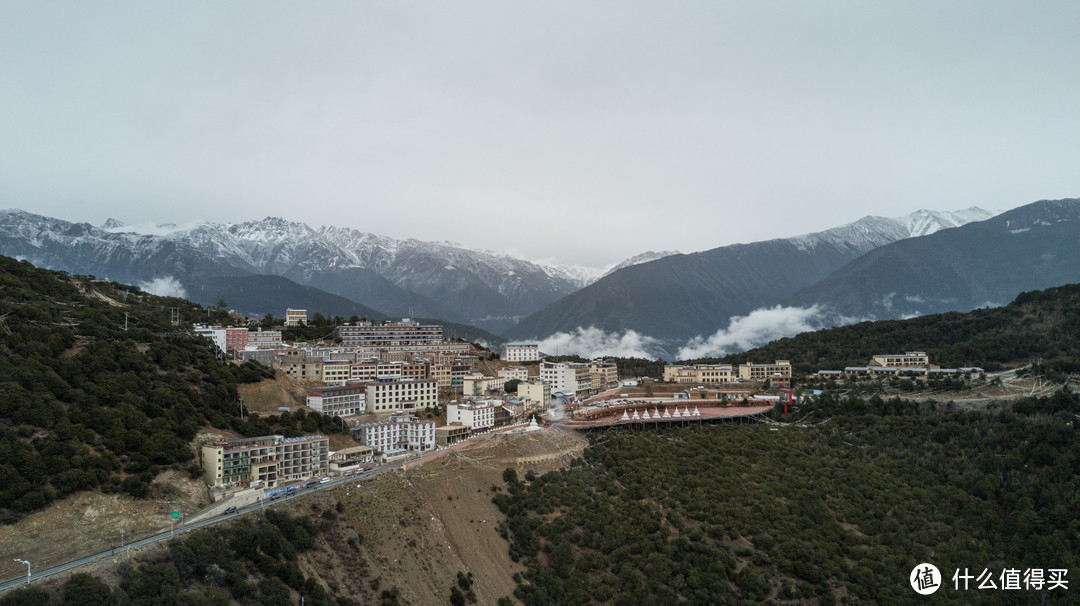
(121, 539)
(241, 409)
(27, 569)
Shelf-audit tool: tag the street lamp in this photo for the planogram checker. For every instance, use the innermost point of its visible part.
(27, 569)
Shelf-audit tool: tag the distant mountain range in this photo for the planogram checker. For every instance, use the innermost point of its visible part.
(876, 267)
(679, 297)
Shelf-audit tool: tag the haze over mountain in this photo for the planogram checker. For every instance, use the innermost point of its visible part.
(665, 303)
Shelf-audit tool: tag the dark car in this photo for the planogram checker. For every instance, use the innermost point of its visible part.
(229, 510)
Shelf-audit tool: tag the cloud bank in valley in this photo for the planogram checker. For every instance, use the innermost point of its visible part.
(167, 286)
(593, 342)
(754, 329)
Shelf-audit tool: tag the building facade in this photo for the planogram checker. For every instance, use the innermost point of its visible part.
(343, 401)
(917, 359)
(702, 374)
(296, 317)
(761, 372)
(268, 461)
(522, 352)
(406, 333)
(398, 435)
(477, 415)
(390, 396)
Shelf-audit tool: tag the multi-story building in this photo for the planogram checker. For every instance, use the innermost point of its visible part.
(536, 392)
(701, 374)
(477, 415)
(343, 401)
(448, 435)
(478, 385)
(761, 372)
(399, 434)
(441, 374)
(300, 367)
(390, 396)
(296, 317)
(917, 359)
(336, 372)
(512, 373)
(406, 333)
(229, 339)
(522, 352)
(264, 339)
(608, 371)
(266, 460)
(563, 376)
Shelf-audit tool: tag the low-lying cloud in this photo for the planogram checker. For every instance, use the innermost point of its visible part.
(754, 329)
(593, 342)
(167, 286)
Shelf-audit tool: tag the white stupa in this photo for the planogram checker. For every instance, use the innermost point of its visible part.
(532, 426)
(667, 413)
(676, 414)
(645, 415)
(697, 413)
(625, 417)
(636, 416)
(686, 411)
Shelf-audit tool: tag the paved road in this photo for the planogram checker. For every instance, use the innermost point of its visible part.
(261, 504)
(190, 526)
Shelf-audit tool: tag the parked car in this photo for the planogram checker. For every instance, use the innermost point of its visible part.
(229, 510)
(324, 480)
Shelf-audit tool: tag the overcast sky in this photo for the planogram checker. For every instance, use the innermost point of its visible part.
(582, 132)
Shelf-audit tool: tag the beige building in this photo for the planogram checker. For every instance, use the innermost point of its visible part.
(761, 372)
(511, 373)
(479, 385)
(349, 459)
(296, 317)
(267, 460)
(392, 396)
(917, 359)
(700, 374)
(336, 372)
(608, 371)
(451, 434)
(300, 367)
(536, 392)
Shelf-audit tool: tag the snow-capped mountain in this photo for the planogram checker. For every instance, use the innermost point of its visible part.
(395, 277)
(680, 296)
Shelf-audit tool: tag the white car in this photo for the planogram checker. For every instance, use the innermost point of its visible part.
(324, 480)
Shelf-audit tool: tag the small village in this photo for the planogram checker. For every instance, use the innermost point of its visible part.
(403, 391)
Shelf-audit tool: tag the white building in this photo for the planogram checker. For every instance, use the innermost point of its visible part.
(342, 401)
(389, 396)
(522, 352)
(562, 376)
(399, 434)
(477, 415)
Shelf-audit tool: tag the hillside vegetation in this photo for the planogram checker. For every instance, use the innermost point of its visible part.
(1042, 324)
(99, 390)
(838, 509)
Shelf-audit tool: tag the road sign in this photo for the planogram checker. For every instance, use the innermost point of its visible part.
(174, 515)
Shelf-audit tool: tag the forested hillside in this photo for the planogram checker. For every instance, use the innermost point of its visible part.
(1042, 324)
(100, 390)
(838, 509)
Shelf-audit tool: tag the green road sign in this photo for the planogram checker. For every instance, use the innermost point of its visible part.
(174, 515)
